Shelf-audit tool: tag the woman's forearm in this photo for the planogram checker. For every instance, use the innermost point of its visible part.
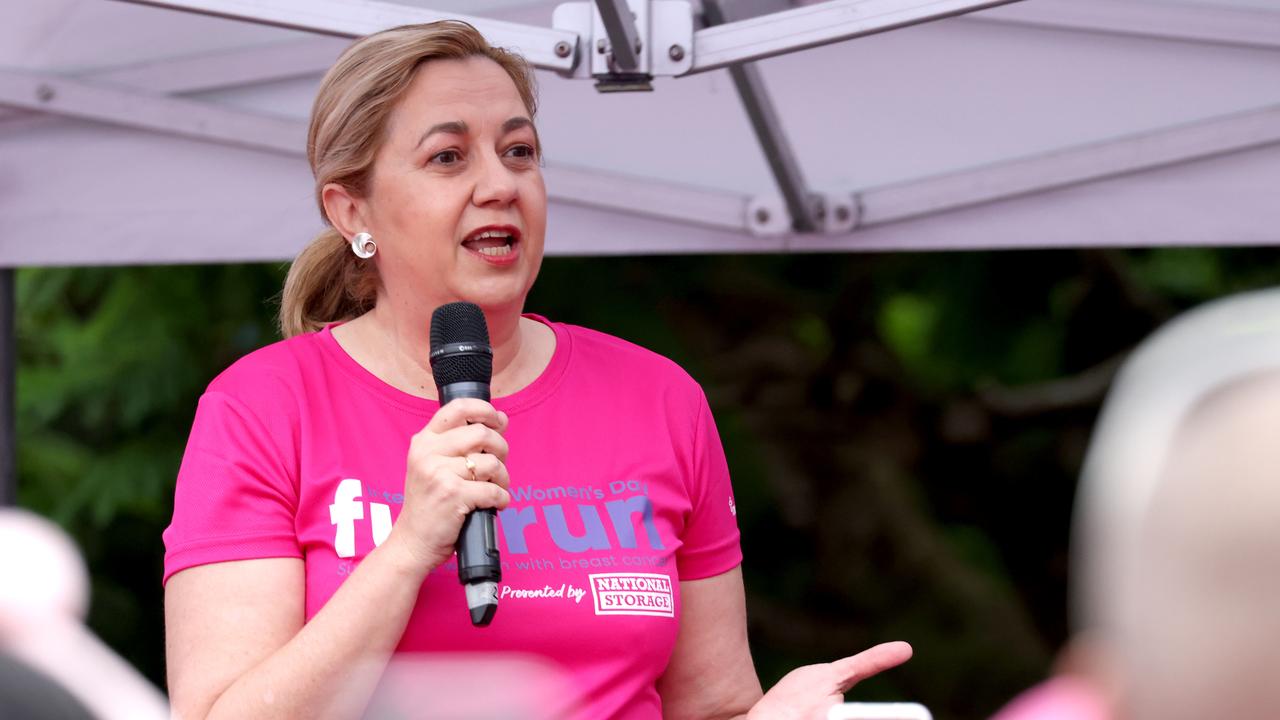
(331, 668)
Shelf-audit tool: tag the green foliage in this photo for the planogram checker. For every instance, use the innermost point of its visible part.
(111, 362)
(1181, 273)
(908, 324)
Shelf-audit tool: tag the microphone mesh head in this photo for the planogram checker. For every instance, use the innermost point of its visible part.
(460, 322)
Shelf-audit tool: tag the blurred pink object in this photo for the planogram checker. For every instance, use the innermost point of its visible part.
(1059, 698)
(475, 686)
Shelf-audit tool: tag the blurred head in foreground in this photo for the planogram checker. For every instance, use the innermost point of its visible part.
(1201, 636)
(51, 665)
(46, 577)
(1176, 567)
(46, 584)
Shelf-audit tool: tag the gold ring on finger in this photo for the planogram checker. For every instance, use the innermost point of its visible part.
(471, 467)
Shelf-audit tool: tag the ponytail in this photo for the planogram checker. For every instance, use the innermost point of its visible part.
(325, 284)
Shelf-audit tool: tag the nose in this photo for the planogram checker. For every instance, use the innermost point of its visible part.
(495, 182)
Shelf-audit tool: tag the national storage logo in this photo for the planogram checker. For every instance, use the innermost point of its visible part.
(632, 594)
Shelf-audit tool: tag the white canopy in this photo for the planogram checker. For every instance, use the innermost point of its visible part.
(139, 135)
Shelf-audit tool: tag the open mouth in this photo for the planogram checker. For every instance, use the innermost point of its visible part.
(492, 241)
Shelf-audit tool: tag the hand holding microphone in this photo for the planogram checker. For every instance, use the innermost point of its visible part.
(456, 475)
(462, 365)
(439, 491)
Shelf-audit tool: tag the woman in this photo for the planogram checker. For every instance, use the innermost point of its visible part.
(323, 488)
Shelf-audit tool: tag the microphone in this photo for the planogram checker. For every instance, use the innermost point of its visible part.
(462, 364)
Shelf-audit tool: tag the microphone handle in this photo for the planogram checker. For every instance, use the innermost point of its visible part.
(479, 565)
(478, 549)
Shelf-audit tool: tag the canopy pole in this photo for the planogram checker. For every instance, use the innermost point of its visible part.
(620, 24)
(804, 206)
(8, 372)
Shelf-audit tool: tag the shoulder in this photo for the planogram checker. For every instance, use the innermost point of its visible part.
(617, 356)
(270, 371)
(260, 402)
(626, 368)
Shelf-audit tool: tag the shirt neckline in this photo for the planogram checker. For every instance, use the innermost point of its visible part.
(523, 399)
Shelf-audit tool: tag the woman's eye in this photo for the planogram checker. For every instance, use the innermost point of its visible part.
(448, 157)
(523, 152)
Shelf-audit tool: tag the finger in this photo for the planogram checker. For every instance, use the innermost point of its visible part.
(490, 469)
(469, 469)
(461, 441)
(486, 467)
(484, 495)
(852, 670)
(465, 411)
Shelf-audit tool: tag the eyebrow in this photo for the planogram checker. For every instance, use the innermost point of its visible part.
(516, 123)
(457, 127)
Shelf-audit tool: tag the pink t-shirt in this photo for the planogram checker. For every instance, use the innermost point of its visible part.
(619, 491)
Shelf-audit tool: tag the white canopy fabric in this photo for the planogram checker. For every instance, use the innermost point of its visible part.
(142, 135)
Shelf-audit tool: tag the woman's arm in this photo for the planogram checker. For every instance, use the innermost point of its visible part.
(711, 675)
(237, 646)
(236, 641)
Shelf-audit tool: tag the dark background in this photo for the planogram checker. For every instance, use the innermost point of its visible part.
(904, 430)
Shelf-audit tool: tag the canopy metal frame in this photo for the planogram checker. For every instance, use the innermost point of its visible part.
(764, 216)
(624, 44)
(778, 222)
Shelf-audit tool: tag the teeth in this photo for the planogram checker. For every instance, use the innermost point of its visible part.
(495, 251)
(492, 234)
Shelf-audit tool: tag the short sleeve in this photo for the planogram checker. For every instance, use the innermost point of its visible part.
(710, 544)
(236, 495)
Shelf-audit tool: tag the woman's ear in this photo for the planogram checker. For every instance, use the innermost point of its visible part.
(345, 211)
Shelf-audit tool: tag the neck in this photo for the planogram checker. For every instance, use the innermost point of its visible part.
(507, 340)
(406, 332)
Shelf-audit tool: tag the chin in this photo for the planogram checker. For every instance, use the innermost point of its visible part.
(496, 298)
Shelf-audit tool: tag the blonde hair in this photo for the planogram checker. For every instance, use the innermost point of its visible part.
(327, 282)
